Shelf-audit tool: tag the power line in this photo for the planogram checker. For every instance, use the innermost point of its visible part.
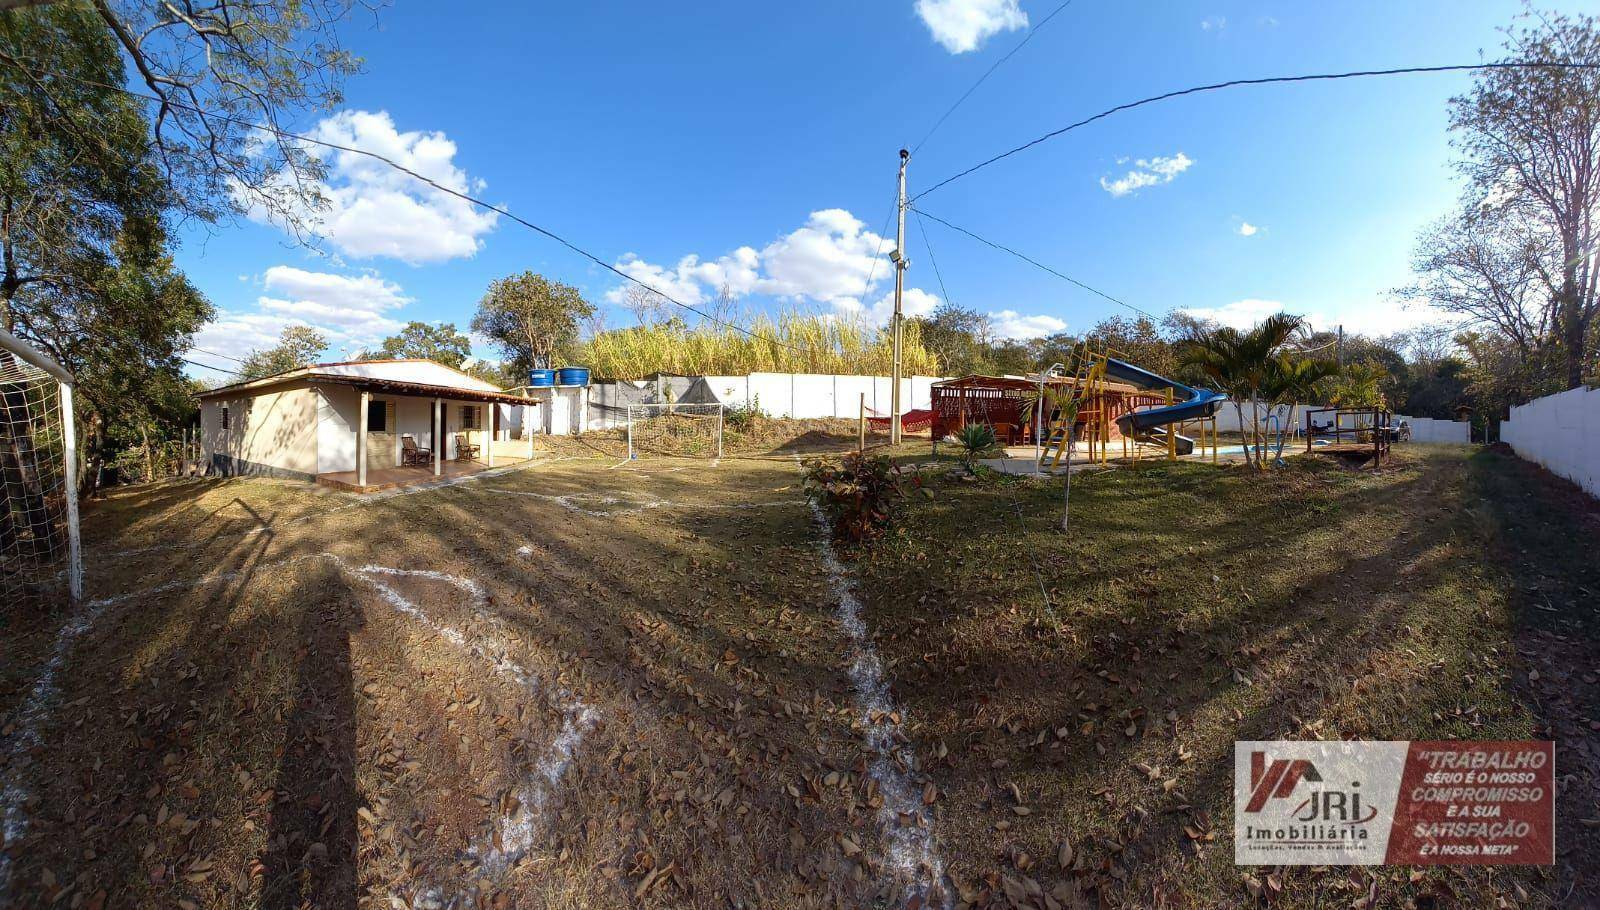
(932, 258)
(284, 134)
(218, 354)
(1036, 264)
(873, 270)
(986, 74)
(196, 363)
(1234, 83)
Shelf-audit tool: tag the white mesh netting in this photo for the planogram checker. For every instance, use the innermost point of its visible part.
(675, 430)
(35, 547)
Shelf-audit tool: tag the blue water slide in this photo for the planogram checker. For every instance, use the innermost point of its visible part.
(1191, 403)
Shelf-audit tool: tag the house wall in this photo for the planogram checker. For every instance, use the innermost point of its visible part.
(517, 421)
(414, 418)
(1560, 432)
(338, 410)
(453, 426)
(271, 432)
(413, 415)
(565, 410)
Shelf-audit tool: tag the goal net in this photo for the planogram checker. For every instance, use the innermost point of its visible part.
(39, 552)
(682, 430)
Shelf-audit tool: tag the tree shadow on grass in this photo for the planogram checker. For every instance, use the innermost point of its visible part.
(310, 856)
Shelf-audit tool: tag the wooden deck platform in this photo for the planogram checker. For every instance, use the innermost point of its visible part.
(1351, 451)
(391, 478)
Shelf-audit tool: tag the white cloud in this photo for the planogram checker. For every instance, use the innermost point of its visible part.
(235, 334)
(913, 302)
(691, 281)
(374, 210)
(1380, 317)
(1246, 229)
(827, 260)
(963, 25)
(1214, 23)
(1241, 314)
(350, 310)
(1147, 172)
(1011, 324)
(366, 292)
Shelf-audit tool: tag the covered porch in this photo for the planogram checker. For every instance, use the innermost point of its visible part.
(391, 478)
(378, 435)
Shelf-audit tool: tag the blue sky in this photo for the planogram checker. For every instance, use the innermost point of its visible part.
(762, 141)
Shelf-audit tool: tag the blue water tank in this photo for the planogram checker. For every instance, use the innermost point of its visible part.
(572, 376)
(542, 379)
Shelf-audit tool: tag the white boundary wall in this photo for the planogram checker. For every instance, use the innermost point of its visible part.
(804, 395)
(1293, 416)
(1561, 432)
(1428, 429)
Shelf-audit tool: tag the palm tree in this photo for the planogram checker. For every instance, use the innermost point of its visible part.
(1241, 364)
(1062, 403)
(1068, 406)
(1290, 380)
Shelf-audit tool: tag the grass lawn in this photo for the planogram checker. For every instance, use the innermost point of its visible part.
(592, 684)
(1191, 606)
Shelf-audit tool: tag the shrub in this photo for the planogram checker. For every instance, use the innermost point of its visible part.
(859, 493)
(741, 417)
(975, 440)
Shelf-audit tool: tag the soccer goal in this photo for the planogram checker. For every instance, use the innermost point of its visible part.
(680, 430)
(40, 559)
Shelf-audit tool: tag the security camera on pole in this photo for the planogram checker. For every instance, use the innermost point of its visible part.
(898, 257)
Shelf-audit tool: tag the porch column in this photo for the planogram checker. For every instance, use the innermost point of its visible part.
(361, 439)
(438, 436)
(527, 427)
(488, 436)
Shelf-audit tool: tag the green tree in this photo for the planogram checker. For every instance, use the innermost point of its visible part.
(1291, 379)
(1244, 364)
(439, 342)
(530, 317)
(1358, 385)
(298, 346)
(960, 337)
(85, 272)
(75, 176)
(1139, 341)
(218, 76)
(495, 373)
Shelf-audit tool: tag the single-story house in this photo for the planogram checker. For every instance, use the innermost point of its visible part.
(365, 424)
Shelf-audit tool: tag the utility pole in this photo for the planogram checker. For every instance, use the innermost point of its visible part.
(1338, 350)
(898, 257)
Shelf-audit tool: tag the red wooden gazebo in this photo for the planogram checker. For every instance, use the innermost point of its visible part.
(1001, 402)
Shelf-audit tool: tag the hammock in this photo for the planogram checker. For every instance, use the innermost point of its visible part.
(910, 421)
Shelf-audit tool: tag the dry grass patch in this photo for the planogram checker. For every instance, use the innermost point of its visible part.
(1191, 606)
(593, 684)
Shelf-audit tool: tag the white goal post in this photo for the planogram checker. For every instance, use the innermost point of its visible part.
(39, 542)
(675, 429)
